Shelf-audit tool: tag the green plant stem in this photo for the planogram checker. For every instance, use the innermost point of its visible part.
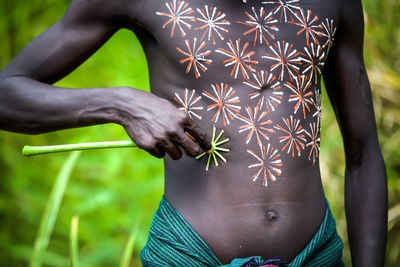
(39, 150)
(126, 256)
(51, 211)
(74, 246)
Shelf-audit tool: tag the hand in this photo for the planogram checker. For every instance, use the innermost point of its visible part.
(157, 126)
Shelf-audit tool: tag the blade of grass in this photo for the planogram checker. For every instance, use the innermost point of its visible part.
(74, 246)
(51, 211)
(22, 253)
(126, 256)
(39, 150)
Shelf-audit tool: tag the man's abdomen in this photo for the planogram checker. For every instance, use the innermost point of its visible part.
(265, 200)
(238, 217)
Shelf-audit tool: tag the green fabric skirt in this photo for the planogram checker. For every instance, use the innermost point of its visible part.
(173, 242)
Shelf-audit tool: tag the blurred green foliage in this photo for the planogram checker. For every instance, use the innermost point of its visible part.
(116, 191)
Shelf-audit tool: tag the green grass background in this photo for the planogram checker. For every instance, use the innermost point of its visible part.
(115, 192)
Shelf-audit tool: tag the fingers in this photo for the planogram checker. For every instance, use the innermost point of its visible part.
(159, 148)
(172, 144)
(171, 149)
(156, 152)
(188, 144)
(191, 137)
(183, 134)
(144, 141)
(198, 134)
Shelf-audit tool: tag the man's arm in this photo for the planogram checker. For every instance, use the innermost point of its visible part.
(30, 104)
(348, 88)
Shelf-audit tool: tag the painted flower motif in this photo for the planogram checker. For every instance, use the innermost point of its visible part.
(214, 22)
(188, 103)
(301, 94)
(261, 24)
(292, 136)
(256, 124)
(238, 57)
(307, 23)
(268, 166)
(195, 57)
(216, 149)
(314, 61)
(329, 31)
(180, 14)
(263, 80)
(287, 59)
(285, 7)
(226, 104)
(314, 135)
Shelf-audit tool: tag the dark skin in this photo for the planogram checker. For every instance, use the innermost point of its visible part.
(236, 217)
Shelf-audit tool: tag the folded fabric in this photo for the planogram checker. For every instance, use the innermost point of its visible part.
(173, 242)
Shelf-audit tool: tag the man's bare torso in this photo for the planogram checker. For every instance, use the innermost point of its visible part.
(253, 70)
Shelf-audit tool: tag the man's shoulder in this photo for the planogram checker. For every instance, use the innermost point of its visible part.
(114, 13)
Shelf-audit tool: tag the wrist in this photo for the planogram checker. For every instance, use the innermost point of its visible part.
(102, 105)
(130, 104)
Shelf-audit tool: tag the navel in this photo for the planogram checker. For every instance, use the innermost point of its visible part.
(271, 215)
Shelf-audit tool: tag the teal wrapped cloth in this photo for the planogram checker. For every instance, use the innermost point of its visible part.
(173, 242)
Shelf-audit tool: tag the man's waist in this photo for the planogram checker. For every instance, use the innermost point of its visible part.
(253, 225)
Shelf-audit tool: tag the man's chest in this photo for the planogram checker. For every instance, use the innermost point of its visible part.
(242, 38)
(250, 68)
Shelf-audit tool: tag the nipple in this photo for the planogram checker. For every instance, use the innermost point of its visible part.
(271, 215)
(264, 87)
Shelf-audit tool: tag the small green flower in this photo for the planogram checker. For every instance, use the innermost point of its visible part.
(213, 153)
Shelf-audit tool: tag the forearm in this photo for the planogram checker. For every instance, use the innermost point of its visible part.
(153, 123)
(29, 106)
(366, 209)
